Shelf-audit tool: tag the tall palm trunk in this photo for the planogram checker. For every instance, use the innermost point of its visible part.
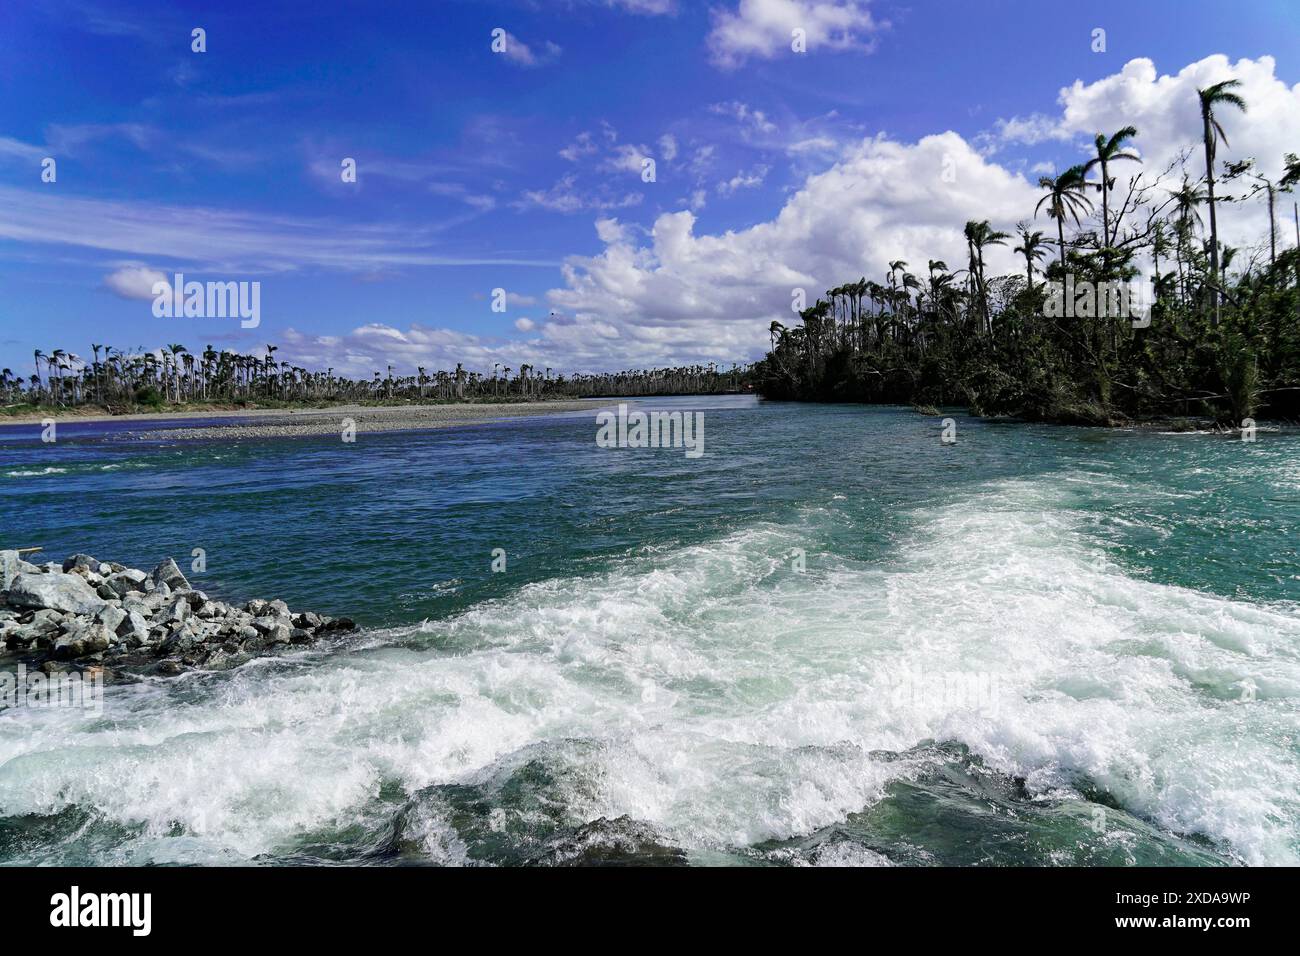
(1214, 222)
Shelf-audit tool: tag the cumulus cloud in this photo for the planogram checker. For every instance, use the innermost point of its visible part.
(683, 296)
(627, 158)
(525, 324)
(134, 281)
(763, 29)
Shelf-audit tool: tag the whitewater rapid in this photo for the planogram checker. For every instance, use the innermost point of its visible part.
(717, 695)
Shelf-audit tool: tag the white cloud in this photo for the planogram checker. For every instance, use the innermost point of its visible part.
(519, 52)
(685, 297)
(580, 147)
(525, 324)
(566, 197)
(750, 118)
(702, 161)
(697, 200)
(743, 180)
(814, 144)
(668, 146)
(627, 158)
(763, 29)
(479, 201)
(134, 281)
(644, 7)
(21, 150)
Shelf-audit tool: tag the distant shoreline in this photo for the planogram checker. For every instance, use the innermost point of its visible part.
(364, 419)
(90, 416)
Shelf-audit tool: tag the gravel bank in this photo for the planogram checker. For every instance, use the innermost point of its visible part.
(381, 418)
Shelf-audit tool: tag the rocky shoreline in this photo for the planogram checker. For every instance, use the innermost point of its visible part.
(94, 616)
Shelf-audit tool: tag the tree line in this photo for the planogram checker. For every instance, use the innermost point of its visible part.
(119, 380)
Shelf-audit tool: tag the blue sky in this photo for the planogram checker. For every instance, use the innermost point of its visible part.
(479, 170)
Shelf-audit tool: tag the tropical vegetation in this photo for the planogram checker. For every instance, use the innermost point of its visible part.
(1221, 340)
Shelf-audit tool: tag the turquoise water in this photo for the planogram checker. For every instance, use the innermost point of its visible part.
(1039, 645)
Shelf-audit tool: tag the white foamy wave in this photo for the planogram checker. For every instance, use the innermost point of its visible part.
(728, 699)
(35, 472)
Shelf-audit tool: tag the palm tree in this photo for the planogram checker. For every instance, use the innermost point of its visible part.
(1065, 195)
(1032, 248)
(176, 352)
(980, 235)
(1220, 94)
(1110, 151)
(1186, 199)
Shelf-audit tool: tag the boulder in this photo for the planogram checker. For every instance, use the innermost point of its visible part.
(61, 592)
(169, 574)
(124, 582)
(176, 612)
(134, 629)
(279, 634)
(83, 641)
(111, 617)
(81, 561)
(10, 567)
(183, 639)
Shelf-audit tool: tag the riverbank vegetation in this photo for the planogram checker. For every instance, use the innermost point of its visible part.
(174, 379)
(1217, 334)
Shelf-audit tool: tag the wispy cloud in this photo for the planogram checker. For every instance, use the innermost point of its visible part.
(565, 196)
(218, 239)
(520, 53)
